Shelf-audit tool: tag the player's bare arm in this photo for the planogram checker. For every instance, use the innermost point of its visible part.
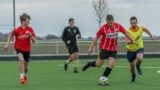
(6, 47)
(149, 33)
(130, 38)
(129, 42)
(32, 38)
(93, 44)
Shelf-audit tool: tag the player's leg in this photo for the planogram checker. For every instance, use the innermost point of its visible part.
(76, 58)
(21, 66)
(70, 59)
(132, 70)
(111, 61)
(98, 63)
(26, 63)
(110, 66)
(76, 62)
(71, 56)
(131, 57)
(139, 61)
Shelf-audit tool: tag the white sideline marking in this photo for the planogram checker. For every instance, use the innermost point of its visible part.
(61, 65)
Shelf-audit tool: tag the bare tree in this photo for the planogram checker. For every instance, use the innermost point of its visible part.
(101, 9)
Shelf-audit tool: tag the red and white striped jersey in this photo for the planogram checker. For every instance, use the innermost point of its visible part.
(109, 36)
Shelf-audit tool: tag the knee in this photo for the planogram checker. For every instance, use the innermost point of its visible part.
(111, 65)
(76, 56)
(21, 60)
(72, 57)
(139, 57)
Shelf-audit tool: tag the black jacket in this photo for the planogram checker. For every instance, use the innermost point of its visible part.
(71, 34)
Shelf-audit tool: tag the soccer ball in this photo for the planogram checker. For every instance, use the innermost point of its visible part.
(103, 81)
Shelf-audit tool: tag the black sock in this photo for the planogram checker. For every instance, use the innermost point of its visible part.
(133, 75)
(26, 71)
(107, 72)
(138, 64)
(92, 64)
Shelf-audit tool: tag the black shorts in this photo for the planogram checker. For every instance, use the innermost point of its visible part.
(72, 49)
(25, 54)
(131, 56)
(103, 54)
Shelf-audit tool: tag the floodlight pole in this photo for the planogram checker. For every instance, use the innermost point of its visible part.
(14, 15)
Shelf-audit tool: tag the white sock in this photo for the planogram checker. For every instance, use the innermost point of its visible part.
(76, 64)
(22, 75)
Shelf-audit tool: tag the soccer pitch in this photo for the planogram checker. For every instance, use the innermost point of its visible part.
(49, 75)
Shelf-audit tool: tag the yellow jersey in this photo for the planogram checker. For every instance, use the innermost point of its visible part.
(136, 34)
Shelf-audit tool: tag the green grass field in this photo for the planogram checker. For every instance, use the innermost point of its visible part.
(49, 75)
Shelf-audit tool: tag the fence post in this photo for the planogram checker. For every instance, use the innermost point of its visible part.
(57, 47)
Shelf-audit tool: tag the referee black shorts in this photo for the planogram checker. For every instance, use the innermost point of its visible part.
(72, 49)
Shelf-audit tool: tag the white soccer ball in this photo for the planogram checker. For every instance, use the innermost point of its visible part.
(103, 81)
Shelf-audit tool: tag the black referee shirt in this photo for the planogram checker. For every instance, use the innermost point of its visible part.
(70, 33)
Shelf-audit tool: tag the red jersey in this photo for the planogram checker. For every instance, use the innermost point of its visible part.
(109, 36)
(22, 37)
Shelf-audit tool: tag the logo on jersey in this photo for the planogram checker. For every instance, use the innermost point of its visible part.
(27, 32)
(75, 31)
(69, 30)
(112, 35)
(117, 29)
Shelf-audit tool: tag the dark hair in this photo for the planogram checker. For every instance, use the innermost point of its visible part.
(24, 16)
(71, 19)
(109, 17)
(133, 18)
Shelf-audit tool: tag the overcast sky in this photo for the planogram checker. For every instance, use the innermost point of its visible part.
(51, 16)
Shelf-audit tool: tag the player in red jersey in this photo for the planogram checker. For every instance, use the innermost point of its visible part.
(108, 45)
(23, 34)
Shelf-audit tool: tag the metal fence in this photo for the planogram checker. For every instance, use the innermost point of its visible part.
(57, 47)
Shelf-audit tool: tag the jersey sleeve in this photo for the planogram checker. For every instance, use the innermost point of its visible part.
(33, 33)
(14, 32)
(64, 36)
(100, 32)
(122, 29)
(143, 28)
(78, 32)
